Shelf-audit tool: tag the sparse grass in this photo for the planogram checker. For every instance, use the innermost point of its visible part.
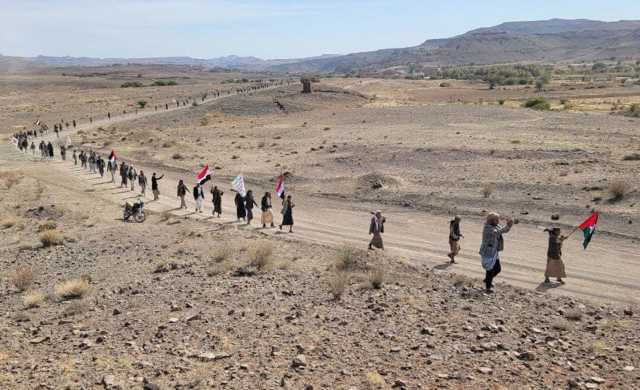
(260, 255)
(338, 282)
(218, 267)
(51, 238)
(487, 190)
(538, 104)
(22, 278)
(377, 276)
(573, 315)
(47, 225)
(632, 157)
(71, 289)
(633, 111)
(346, 258)
(618, 189)
(33, 299)
(177, 156)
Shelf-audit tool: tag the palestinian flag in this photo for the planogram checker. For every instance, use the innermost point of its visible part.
(588, 228)
(204, 175)
(280, 186)
(112, 157)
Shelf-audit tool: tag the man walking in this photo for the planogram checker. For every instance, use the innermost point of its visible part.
(454, 238)
(142, 181)
(182, 192)
(376, 228)
(198, 196)
(154, 186)
(492, 245)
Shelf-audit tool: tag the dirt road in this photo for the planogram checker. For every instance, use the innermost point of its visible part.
(609, 271)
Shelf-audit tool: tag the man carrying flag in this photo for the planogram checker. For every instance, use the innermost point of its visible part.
(280, 187)
(238, 186)
(112, 165)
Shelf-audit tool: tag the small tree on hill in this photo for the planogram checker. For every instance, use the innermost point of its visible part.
(142, 103)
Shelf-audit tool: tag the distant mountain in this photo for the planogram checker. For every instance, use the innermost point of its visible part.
(549, 41)
(545, 41)
(228, 62)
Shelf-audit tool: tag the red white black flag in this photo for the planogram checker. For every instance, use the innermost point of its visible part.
(204, 175)
(280, 186)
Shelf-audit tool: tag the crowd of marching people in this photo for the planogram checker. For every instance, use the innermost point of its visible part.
(245, 202)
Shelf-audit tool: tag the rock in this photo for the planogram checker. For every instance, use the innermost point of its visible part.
(193, 317)
(596, 379)
(109, 382)
(555, 217)
(173, 320)
(628, 312)
(399, 384)
(210, 356)
(300, 361)
(427, 331)
(629, 368)
(485, 370)
(490, 346)
(39, 340)
(116, 312)
(527, 356)
(591, 386)
(149, 386)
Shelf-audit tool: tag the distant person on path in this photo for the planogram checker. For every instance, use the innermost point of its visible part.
(50, 149)
(216, 198)
(265, 207)
(124, 174)
(182, 192)
(33, 148)
(555, 265)
(492, 245)
(75, 157)
(63, 152)
(454, 238)
(154, 186)
(240, 210)
(74, 123)
(108, 115)
(132, 176)
(249, 202)
(376, 228)
(142, 181)
(100, 165)
(287, 213)
(198, 196)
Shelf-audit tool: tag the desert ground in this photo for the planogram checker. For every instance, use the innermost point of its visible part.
(186, 300)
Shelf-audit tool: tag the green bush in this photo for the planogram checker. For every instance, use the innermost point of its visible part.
(538, 104)
(161, 83)
(132, 84)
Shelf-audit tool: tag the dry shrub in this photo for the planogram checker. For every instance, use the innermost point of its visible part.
(223, 253)
(218, 267)
(72, 289)
(632, 157)
(618, 189)
(487, 190)
(22, 278)
(573, 315)
(51, 238)
(33, 299)
(338, 284)
(260, 255)
(47, 225)
(377, 276)
(8, 222)
(347, 258)
(375, 380)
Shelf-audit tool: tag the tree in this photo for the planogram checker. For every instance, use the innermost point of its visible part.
(142, 103)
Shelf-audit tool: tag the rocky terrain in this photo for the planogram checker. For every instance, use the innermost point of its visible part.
(180, 303)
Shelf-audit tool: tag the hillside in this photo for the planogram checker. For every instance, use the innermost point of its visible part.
(549, 41)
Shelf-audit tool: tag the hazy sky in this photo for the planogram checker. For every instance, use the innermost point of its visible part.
(267, 29)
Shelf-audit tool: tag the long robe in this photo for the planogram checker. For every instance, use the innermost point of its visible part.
(240, 210)
(216, 198)
(376, 228)
(287, 213)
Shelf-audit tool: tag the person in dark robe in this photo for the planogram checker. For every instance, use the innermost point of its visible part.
(142, 181)
(155, 189)
(249, 202)
(555, 265)
(240, 210)
(287, 213)
(50, 149)
(376, 228)
(216, 198)
(454, 238)
(265, 207)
